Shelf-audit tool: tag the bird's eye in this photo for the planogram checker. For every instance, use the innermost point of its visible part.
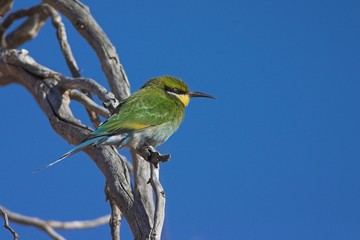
(174, 90)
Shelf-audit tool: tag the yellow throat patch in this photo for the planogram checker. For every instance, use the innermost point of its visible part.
(184, 98)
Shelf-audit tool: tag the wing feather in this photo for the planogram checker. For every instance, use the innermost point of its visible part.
(141, 110)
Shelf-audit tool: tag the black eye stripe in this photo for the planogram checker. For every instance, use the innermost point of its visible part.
(174, 90)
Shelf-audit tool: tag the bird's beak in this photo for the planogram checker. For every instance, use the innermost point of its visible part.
(200, 94)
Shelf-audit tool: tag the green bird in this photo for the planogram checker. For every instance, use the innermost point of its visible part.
(147, 118)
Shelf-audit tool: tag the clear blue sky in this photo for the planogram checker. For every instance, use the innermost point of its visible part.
(276, 156)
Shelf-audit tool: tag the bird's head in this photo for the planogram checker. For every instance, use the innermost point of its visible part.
(175, 87)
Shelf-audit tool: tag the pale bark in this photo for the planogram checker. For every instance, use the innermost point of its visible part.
(53, 93)
(49, 226)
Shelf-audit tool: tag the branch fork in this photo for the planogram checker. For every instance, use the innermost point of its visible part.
(136, 203)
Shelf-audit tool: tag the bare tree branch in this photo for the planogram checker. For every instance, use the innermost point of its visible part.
(17, 67)
(50, 226)
(6, 223)
(63, 42)
(159, 203)
(69, 57)
(88, 103)
(89, 85)
(5, 6)
(36, 17)
(79, 15)
(115, 219)
(142, 187)
(53, 92)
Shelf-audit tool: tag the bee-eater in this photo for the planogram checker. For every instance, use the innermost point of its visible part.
(147, 118)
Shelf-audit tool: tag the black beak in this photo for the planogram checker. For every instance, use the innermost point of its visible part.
(200, 94)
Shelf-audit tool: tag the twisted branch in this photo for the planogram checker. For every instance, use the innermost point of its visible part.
(85, 24)
(53, 93)
(4, 213)
(36, 17)
(88, 103)
(50, 226)
(17, 67)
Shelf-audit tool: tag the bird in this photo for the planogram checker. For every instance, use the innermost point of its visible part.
(144, 120)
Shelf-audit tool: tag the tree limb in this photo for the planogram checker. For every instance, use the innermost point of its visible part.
(68, 55)
(36, 17)
(50, 226)
(17, 67)
(79, 15)
(88, 103)
(4, 213)
(53, 92)
(115, 219)
(159, 216)
(141, 188)
(5, 6)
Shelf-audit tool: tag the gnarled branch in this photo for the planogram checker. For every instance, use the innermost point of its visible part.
(79, 15)
(53, 92)
(5, 214)
(17, 67)
(50, 226)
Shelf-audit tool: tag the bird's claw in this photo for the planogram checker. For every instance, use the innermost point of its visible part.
(151, 155)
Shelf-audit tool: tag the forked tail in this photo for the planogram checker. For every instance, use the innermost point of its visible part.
(76, 149)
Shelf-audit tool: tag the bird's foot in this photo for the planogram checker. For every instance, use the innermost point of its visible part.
(151, 155)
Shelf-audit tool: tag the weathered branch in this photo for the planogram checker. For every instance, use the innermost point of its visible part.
(153, 158)
(159, 216)
(53, 92)
(68, 55)
(63, 42)
(17, 67)
(79, 15)
(50, 226)
(142, 189)
(88, 103)
(5, 6)
(115, 219)
(4, 213)
(36, 17)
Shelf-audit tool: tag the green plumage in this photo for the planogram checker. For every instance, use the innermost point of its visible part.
(147, 108)
(146, 119)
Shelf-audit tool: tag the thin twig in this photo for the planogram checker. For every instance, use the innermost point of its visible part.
(81, 18)
(7, 225)
(63, 42)
(159, 216)
(69, 56)
(89, 103)
(50, 226)
(85, 84)
(36, 17)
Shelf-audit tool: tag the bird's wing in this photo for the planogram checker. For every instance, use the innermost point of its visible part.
(138, 112)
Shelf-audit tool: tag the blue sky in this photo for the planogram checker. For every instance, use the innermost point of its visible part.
(276, 156)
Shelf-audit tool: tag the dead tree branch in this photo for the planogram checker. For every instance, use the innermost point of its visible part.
(36, 17)
(159, 202)
(4, 213)
(115, 219)
(50, 226)
(5, 6)
(79, 15)
(53, 93)
(68, 55)
(88, 103)
(17, 67)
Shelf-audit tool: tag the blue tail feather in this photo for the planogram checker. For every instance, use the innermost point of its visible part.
(76, 149)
